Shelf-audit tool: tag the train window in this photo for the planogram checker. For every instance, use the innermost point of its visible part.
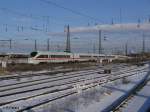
(84, 56)
(43, 56)
(33, 54)
(106, 56)
(60, 56)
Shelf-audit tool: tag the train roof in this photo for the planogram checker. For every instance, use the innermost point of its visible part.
(65, 53)
(50, 52)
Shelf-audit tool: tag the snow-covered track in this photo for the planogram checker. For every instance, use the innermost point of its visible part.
(12, 90)
(96, 83)
(8, 97)
(118, 104)
(52, 78)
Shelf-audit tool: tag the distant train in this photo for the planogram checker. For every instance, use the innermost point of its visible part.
(59, 57)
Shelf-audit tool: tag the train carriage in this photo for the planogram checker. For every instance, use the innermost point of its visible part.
(59, 57)
(47, 57)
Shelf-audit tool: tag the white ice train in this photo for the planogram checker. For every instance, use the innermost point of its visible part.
(58, 57)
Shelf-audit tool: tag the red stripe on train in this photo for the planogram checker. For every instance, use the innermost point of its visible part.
(56, 58)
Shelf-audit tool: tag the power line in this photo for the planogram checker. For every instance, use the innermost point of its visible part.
(45, 18)
(20, 14)
(22, 28)
(70, 10)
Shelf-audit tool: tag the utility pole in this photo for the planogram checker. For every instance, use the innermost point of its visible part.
(120, 16)
(18, 28)
(47, 23)
(58, 48)
(94, 49)
(100, 41)
(10, 43)
(139, 22)
(68, 49)
(126, 49)
(143, 44)
(112, 21)
(35, 45)
(48, 45)
(6, 28)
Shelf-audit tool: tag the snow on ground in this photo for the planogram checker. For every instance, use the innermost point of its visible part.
(47, 87)
(100, 96)
(141, 99)
(45, 74)
(19, 80)
(117, 91)
(93, 100)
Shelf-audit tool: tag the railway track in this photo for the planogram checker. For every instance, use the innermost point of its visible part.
(56, 90)
(40, 81)
(63, 90)
(129, 98)
(35, 82)
(49, 73)
(93, 84)
(54, 75)
(70, 83)
(31, 75)
(2, 90)
(57, 85)
(121, 102)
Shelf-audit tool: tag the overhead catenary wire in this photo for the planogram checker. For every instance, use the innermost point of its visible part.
(71, 10)
(46, 18)
(21, 28)
(31, 16)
